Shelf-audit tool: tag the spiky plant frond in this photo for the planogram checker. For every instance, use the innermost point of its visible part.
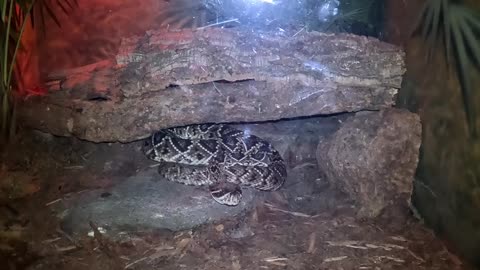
(456, 29)
(15, 15)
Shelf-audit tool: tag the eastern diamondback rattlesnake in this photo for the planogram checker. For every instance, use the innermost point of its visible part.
(219, 156)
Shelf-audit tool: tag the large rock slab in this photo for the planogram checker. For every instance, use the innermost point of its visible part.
(166, 79)
(373, 158)
(145, 202)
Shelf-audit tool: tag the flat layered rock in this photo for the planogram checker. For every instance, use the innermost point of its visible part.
(166, 79)
(145, 202)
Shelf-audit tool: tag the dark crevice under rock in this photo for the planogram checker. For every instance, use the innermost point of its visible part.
(144, 200)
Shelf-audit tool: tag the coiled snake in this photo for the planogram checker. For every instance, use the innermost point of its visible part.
(218, 156)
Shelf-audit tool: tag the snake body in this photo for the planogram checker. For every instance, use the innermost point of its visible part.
(218, 156)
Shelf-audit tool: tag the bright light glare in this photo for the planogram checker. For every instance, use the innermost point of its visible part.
(273, 2)
(267, 1)
(314, 65)
(328, 9)
(246, 132)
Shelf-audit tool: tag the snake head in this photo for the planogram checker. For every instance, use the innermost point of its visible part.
(148, 148)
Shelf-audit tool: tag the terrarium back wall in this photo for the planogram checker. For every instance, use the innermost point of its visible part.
(447, 188)
(447, 192)
(89, 32)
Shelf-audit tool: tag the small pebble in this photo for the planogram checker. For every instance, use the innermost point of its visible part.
(219, 228)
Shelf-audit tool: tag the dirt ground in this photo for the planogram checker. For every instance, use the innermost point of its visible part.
(39, 169)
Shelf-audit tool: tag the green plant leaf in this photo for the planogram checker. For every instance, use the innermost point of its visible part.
(472, 31)
(447, 34)
(456, 27)
(462, 64)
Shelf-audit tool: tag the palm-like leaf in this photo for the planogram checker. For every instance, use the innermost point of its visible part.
(44, 8)
(15, 14)
(456, 28)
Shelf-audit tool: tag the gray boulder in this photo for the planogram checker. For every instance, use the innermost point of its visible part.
(373, 158)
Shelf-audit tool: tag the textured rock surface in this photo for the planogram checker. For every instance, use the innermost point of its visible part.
(169, 79)
(373, 158)
(145, 202)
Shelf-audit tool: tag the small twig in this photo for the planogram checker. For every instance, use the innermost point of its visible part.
(386, 247)
(278, 263)
(415, 256)
(52, 202)
(335, 259)
(394, 246)
(399, 238)
(391, 258)
(356, 247)
(298, 214)
(311, 246)
(349, 244)
(154, 165)
(275, 259)
(216, 89)
(135, 262)
(219, 23)
(427, 188)
(66, 249)
(48, 241)
(303, 28)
